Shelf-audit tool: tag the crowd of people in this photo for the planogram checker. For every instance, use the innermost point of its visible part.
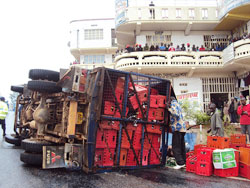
(171, 47)
(234, 39)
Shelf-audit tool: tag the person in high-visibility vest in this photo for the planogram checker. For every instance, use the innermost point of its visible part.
(3, 113)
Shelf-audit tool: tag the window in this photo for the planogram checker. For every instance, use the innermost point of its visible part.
(191, 13)
(88, 59)
(204, 13)
(164, 13)
(183, 84)
(139, 13)
(178, 13)
(93, 34)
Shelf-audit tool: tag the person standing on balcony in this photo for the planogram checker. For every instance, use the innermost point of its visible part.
(179, 130)
(202, 48)
(183, 48)
(244, 113)
(188, 47)
(162, 47)
(152, 48)
(146, 48)
(178, 48)
(194, 48)
(152, 10)
(171, 48)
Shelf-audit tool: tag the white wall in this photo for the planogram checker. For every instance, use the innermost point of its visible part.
(81, 25)
(179, 38)
(108, 58)
(193, 84)
(141, 39)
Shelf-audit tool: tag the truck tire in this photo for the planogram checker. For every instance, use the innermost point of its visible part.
(32, 158)
(44, 86)
(33, 145)
(13, 139)
(42, 74)
(18, 89)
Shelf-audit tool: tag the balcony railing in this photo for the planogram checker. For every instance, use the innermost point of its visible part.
(169, 59)
(169, 13)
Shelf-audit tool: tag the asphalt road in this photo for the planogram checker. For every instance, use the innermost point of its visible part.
(15, 174)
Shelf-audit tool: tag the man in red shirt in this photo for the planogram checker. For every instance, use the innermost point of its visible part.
(202, 48)
(244, 113)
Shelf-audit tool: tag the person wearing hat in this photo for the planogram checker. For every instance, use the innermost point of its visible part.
(3, 113)
(244, 113)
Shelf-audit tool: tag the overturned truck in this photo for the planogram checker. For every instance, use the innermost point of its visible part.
(96, 120)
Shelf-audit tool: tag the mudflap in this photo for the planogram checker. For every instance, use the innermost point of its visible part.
(53, 157)
(68, 156)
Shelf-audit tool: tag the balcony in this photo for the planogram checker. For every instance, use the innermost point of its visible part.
(169, 62)
(236, 57)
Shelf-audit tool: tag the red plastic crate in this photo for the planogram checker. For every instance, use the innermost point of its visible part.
(108, 157)
(153, 101)
(245, 155)
(109, 135)
(123, 157)
(156, 141)
(239, 139)
(204, 168)
(119, 96)
(205, 154)
(152, 114)
(154, 129)
(117, 112)
(218, 142)
(145, 157)
(109, 108)
(125, 143)
(104, 157)
(139, 127)
(160, 114)
(230, 172)
(146, 144)
(137, 140)
(191, 164)
(99, 157)
(244, 170)
(153, 159)
(188, 154)
(161, 101)
(142, 92)
(236, 146)
(131, 160)
(134, 102)
(105, 124)
(120, 84)
(130, 126)
(196, 147)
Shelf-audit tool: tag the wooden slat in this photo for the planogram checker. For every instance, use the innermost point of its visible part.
(72, 118)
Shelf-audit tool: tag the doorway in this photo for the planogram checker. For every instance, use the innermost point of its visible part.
(219, 99)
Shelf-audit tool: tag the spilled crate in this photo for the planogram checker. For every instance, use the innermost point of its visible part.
(127, 121)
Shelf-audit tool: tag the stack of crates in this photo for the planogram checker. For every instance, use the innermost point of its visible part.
(116, 128)
(237, 141)
(204, 164)
(230, 172)
(244, 165)
(218, 142)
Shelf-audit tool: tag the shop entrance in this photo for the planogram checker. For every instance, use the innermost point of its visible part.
(219, 99)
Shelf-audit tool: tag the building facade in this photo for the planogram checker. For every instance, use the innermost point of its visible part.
(218, 70)
(93, 42)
